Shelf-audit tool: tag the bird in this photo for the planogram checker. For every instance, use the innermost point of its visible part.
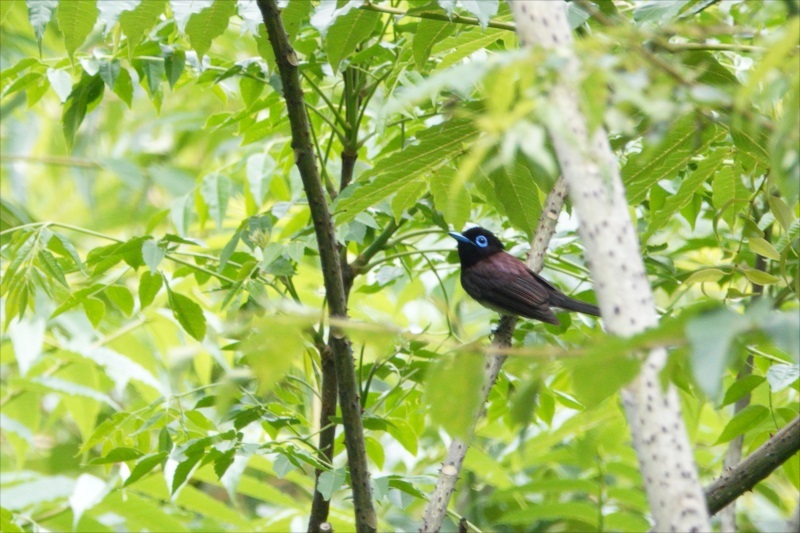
(499, 281)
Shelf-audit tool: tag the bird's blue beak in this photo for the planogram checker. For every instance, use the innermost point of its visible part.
(460, 238)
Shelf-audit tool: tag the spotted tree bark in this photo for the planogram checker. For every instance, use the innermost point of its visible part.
(623, 291)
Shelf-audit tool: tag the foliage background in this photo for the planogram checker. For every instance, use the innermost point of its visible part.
(162, 295)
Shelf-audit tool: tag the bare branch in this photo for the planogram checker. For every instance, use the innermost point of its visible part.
(758, 465)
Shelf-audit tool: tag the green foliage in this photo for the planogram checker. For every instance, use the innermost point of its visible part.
(164, 313)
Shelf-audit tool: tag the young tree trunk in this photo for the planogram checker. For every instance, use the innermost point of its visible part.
(623, 292)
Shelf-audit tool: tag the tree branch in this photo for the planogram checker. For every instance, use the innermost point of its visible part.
(623, 292)
(758, 465)
(329, 257)
(451, 467)
(438, 16)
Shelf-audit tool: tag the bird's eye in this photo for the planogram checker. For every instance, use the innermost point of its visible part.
(481, 241)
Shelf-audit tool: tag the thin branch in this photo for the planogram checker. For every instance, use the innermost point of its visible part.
(439, 16)
(286, 60)
(53, 160)
(758, 465)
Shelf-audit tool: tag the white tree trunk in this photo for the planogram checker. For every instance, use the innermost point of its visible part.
(623, 292)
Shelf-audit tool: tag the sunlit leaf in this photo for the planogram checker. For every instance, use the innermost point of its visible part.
(347, 32)
(149, 285)
(76, 19)
(745, 420)
(672, 154)
(781, 376)
(204, 26)
(188, 314)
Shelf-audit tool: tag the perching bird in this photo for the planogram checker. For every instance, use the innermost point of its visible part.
(503, 283)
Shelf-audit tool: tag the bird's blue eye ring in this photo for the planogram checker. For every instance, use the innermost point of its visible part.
(481, 241)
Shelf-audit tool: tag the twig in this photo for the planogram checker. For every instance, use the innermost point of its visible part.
(758, 465)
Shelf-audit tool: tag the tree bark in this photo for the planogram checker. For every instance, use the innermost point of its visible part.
(623, 292)
(302, 145)
(757, 466)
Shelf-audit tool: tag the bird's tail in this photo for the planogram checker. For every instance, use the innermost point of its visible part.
(570, 304)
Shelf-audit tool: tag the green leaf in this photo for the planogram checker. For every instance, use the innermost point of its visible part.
(781, 376)
(407, 197)
(460, 376)
(666, 159)
(330, 481)
(740, 387)
(759, 277)
(763, 248)
(589, 390)
(75, 20)
(109, 72)
(293, 15)
(724, 192)
(7, 523)
(181, 214)
(61, 82)
(517, 192)
(465, 43)
(185, 468)
(374, 451)
(174, 63)
(402, 431)
(215, 190)
(144, 465)
(188, 314)
(483, 10)
(689, 186)
(429, 32)
(435, 147)
(153, 71)
(83, 94)
(61, 245)
(121, 297)
(553, 511)
(117, 455)
(136, 22)
(783, 214)
(272, 348)
(754, 147)
(95, 310)
(347, 32)
(710, 335)
(454, 203)
(73, 389)
(745, 420)
(152, 254)
(704, 275)
(124, 87)
(205, 26)
(39, 14)
(51, 267)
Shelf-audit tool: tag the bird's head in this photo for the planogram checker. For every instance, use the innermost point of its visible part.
(475, 244)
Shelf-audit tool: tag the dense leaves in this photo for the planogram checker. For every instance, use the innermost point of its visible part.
(163, 313)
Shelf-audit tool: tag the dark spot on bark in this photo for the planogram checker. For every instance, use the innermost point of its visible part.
(616, 309)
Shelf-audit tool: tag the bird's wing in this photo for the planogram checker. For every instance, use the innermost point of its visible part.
(503, 283)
